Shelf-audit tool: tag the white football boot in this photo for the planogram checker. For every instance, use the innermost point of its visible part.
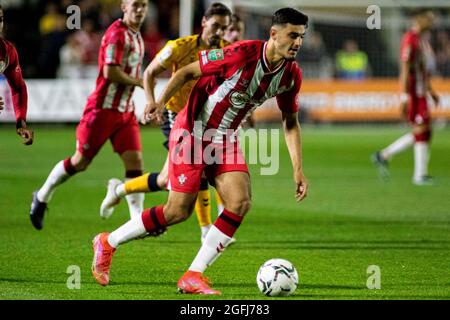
(111, 199)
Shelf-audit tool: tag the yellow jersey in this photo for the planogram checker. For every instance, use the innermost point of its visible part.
(177, 54)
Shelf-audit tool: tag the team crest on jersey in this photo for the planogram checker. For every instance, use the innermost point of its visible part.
(215, 54)
(182, 179)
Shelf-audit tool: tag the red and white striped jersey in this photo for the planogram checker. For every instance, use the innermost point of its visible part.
(236, 80)
(411, 51)
(125, 48)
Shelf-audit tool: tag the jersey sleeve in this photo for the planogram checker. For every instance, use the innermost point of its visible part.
(168, 55)
(407, 49)
(220, 61)
(115, 46)
(19, 94)
(288, 101)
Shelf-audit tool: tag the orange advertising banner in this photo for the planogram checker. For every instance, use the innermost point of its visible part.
(358, 101)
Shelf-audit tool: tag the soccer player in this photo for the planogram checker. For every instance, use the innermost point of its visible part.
(109, 112)
(414, 86)
(10, 68)
(234, 33)
(233, 81)
(175, 55)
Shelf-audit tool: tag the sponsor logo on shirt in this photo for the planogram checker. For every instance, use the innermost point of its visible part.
(110, 53)
(215, 54)
(239, 99)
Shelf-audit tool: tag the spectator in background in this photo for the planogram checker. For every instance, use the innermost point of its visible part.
(314, 59)
(79, 55)
(109, 11)
(70, 58)
(51, 43)
(235, 31)
(90, 9)
(174, 23)
(351, 63)
(428, 54)
(50, 21)
(444, 66)
(89, 40)
(153, 40)
(443, 53)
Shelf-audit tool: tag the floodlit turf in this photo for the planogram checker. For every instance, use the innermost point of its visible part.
(350, 220)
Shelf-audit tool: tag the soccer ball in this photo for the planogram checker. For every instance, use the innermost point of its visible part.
(277, 277)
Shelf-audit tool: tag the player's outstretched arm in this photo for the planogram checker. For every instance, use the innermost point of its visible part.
(178, 79)
(292, 133)
(150, 74)
(19, 97)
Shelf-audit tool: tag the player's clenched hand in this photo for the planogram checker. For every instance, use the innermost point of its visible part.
(153, 111)
(404, 110)
(1, 103)
(404, 99)
(26, 134)
(435, 98)
(302, 186)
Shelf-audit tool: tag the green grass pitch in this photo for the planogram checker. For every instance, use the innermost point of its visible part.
(350, 220)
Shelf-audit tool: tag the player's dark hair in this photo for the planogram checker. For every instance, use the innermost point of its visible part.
(289, 15)
(217, 8)
(235, 19)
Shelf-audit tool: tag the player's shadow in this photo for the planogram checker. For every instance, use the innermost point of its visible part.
(16, 280)
(348, 245)
(331, 287)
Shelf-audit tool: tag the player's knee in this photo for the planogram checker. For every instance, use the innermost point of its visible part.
(240, 207)
(132, 159)
(137, 158)
(81, 165)
(245, 206)
(177, 213)
(423, 135)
